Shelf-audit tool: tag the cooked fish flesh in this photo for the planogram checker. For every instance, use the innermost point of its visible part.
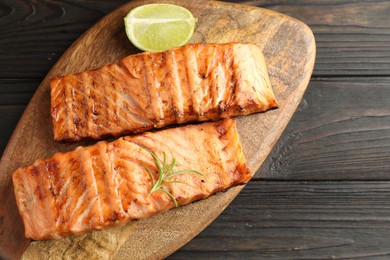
(108, 183)
(196, 82)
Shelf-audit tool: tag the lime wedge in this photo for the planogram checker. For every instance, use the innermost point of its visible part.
(158, 27)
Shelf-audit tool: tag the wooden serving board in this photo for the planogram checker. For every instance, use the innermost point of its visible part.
(289, 49)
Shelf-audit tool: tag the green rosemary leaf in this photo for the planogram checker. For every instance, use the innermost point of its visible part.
(185, 171)
(164, 172)
(170, 195)
(150, 173)
(171, 166)
(165, 160)
(156, 160)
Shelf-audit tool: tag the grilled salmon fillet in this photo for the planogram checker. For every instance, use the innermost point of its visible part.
(108, 183)
(196, 82)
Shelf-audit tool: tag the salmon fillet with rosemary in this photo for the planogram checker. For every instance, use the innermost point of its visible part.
(196, 82)
(112, 183)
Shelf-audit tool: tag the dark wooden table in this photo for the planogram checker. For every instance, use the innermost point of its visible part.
(326, 191)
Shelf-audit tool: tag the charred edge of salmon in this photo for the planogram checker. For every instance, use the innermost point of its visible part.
(196, 82)
(91, 188)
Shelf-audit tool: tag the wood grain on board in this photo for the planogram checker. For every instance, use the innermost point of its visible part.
(289, 49)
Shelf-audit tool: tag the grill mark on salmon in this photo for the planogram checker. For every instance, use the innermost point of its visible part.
(102, 117)
(172, 85)
(110, 179)
(104, 87)
(153, 85)
(85, 119)
(69, 109)
(126, 103)
(185, 112)
(78, 103)
(106, 184)
(205, 73)
(196, 82)
(193, 82)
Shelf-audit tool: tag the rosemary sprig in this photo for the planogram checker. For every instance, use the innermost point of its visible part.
(165, 171)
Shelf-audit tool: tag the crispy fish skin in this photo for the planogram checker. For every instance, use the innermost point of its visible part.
(106, 184)
(196, 82)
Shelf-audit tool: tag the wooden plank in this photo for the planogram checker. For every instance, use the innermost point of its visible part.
(14, 96)
(10, 115)
(17, 91)
(22, 86)
(288, 46)
(299, 220)
(35, 34)
(353, 37)
(340, 131)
